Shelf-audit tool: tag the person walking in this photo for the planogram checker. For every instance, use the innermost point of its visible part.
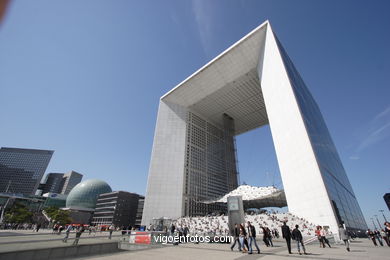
(186, 231)
(372, 236)
(38, 227)
(242, 238)
(173, 230)
(387, 231)
(384, 236)
(110, 230)
(252, 237)
(60, 228)
(269, 237)
(55, 228)
(89, 230)
(124, 232)
(318, 234)
(344, 236)
(297, 236)
(265, 236)
(236, 233)
(79, 231)
(379, 237)
(92, 229)
(323, 237)
(67, 231)
(286, 234)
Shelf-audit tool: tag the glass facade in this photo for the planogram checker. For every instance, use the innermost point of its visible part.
(53, 183)
(21, 170)
(69, 181)
(343, 199)
(210, 164)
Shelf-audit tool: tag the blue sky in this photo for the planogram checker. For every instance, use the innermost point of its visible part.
(84, 78)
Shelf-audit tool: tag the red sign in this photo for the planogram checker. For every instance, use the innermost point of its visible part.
(140, 238)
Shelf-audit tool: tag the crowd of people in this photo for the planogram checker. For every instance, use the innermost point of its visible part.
(91, 230)
(380, 235)
(268, 224)
(21, 226)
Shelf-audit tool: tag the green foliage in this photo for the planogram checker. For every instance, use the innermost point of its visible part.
(18, 214)
(58, 216)
(50, 211)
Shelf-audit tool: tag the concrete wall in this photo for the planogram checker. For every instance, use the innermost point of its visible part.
(164, 194)
(61, 252)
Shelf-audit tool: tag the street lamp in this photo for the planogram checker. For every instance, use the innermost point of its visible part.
(379, 225)
(373, 223)
(381, 210)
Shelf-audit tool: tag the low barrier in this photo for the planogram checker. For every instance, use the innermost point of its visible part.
(61, 252)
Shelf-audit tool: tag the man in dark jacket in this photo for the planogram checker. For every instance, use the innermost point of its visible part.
(80, 231)
(236, 237)
(252, 237)
(297, 236)
(286, 233)
(173, 229)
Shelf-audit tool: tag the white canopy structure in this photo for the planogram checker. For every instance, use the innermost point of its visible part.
(256, 197)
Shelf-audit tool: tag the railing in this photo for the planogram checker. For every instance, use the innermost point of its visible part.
(46, 216)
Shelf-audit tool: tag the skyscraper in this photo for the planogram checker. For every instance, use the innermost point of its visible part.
(21, 170)
(70, 180)
(53, 183)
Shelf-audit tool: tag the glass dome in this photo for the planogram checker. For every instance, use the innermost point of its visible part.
(85, 194)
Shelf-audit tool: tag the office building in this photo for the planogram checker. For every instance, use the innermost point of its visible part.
(70, 180)
(251, 84)
(21, 170)
(140, 209)
(386, 197)
(53, 183)
(118, 208)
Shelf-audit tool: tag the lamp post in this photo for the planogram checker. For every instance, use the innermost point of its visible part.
(373, 223)
(379, 225)
(381, 210)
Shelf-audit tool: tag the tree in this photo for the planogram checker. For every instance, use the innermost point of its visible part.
(18, 213)
(58, 215)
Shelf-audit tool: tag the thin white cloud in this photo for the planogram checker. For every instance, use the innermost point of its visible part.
(204, 20)
(378, 130)
(384, 113)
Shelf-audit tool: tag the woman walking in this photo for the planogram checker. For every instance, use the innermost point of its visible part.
(344, 236)
(242, 238)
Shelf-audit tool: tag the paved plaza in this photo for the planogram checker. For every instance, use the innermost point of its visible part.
(360, 249)
(14, 240)
(11, 240)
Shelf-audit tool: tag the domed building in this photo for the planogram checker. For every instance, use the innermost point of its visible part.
(85, 194)
(81, 201)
